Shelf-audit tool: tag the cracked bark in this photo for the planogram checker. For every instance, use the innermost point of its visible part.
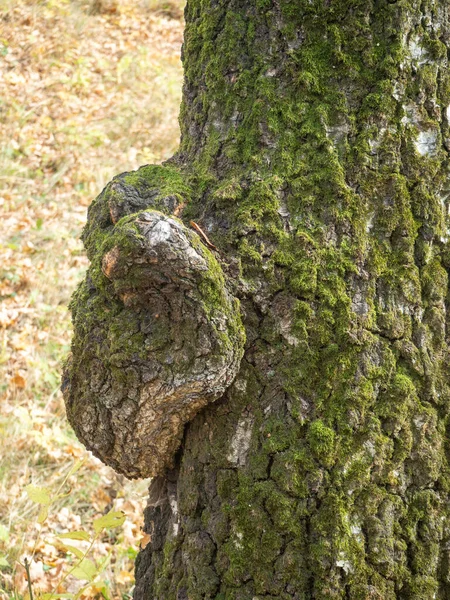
(313, 464)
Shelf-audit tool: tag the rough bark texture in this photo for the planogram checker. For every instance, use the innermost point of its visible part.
(315, 147)
(157, 333)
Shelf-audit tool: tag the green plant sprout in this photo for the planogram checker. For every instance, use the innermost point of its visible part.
(84, 568)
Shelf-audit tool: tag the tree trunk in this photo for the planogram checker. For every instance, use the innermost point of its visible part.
(314, 156)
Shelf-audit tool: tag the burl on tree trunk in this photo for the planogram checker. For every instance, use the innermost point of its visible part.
(157, 333)
(286, 376)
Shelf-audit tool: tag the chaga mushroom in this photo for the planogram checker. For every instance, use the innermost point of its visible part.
(157, 336)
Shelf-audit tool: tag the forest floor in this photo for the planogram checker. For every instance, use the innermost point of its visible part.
(88, 89)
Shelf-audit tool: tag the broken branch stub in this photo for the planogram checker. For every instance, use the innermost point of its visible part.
(157, 336)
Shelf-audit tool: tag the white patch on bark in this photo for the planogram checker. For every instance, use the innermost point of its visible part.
(338, 133)
(376, 142)
(161, 232)
(283, 210)
(240, 442)
(370, 447)
(374, 145)
(291, 339)
(174, 508)
(419, 421)
(411, 116)
(166, 232)
(426, 143)
(404, 309)
(359, 303)
(427, 140)
(237, 542)
(344, 564)
(417, 52)
(399, 91)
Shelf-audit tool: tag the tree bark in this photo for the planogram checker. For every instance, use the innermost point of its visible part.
(315, 157)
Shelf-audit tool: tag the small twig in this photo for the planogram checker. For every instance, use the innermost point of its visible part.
(203, 235)
(27, 569)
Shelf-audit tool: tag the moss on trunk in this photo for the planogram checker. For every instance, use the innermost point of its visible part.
(315, 136)
(315, 144)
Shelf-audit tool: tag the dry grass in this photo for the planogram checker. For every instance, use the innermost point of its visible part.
(87, 89)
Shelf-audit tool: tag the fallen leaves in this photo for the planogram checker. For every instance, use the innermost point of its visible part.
(18, 380)
(83, 97)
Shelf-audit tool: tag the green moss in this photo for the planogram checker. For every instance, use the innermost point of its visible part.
(218, 303)
(321, 440)
(152, 185)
